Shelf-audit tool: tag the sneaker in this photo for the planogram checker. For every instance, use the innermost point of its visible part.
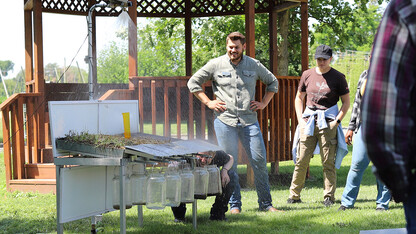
(292, 201)
(380, 209)
(272, 209)
(342, 208)
(235, 211)
(328, 202)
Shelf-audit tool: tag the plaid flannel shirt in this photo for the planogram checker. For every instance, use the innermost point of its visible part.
(389, 103)
(356, 106)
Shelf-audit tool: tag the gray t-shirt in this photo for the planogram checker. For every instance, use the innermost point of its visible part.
(234, 85)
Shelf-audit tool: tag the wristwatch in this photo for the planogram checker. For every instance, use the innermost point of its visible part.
(338, 121)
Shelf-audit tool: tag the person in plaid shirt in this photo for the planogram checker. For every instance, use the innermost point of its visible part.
(389, 105)
(360, 158)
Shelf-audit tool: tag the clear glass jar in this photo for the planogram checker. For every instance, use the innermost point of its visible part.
(138, 182)
(173, 187)
(116, 189)
(156, 191)
(187, 184)
(201, 177)
(214, 184)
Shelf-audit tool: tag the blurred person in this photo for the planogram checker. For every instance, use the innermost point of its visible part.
(319, 123)
(220, 206)
(234, 76)
(360, 160)
(389, 105)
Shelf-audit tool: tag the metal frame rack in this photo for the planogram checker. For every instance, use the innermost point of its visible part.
(83, 178)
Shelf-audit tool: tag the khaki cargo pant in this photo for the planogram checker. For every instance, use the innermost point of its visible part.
(327, 139)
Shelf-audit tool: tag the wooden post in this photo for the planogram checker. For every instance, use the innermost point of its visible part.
(132, 43)
(250, 51)
(31, 132)
(28, 51)
(273, 42)
(39, 75)
(274, 70)
(191, 117)
(188, 38)
(7, 146)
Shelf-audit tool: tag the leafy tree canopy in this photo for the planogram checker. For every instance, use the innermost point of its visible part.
(342, 24)
(349, 27)
(6, 66)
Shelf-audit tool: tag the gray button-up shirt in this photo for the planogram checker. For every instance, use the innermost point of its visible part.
(234, 85)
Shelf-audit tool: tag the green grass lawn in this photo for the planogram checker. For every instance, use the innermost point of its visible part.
(36, 213)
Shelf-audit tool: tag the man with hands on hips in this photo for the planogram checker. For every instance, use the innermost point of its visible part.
(234, 76)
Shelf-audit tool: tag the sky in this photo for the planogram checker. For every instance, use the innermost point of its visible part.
(63, 36)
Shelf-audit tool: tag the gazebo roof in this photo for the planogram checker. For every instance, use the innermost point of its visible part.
(170, 8)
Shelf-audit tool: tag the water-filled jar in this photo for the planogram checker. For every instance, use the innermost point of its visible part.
(138, 181)
(201, 177)
(187, 184)
(116, 189)
(173, 187)
(156, 191)
(214, 183)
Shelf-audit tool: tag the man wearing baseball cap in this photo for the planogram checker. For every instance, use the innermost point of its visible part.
(319, 124)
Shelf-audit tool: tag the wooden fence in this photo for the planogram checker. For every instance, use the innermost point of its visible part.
(165, 102)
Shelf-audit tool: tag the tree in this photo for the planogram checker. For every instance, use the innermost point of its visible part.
(338, 24)
(113, 65)
(52, 72)
(161, 48)
(355, 31)
(6, 66)
(56, 74)
(161, 42)
(160, 52)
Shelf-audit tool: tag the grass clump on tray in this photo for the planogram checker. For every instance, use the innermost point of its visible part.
(109, 141)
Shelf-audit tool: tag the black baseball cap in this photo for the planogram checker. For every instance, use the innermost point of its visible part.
(323, 51)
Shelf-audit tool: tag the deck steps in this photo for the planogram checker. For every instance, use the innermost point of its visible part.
(33, 185)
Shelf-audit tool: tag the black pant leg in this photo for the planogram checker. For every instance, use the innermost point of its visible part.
(220, 205)
(179, 212)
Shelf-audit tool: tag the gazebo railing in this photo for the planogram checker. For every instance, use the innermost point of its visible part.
(165, 102)
(20, 133)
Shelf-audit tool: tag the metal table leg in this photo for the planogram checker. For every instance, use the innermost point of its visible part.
(122, 198)
(59, 225)
(140, 215)
(194, 213)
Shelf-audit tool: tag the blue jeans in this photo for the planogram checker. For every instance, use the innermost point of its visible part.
(252, 141)
(410, 210)
(359, 163)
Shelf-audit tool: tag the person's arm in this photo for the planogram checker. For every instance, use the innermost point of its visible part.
(299, 105)
(348, 136)
(225, 179)
(272, 87)
(255, 105)
(196, 82)
(345, 99)
(216, 105)
(362, 89)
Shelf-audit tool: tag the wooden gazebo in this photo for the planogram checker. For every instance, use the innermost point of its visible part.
(27, 147)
